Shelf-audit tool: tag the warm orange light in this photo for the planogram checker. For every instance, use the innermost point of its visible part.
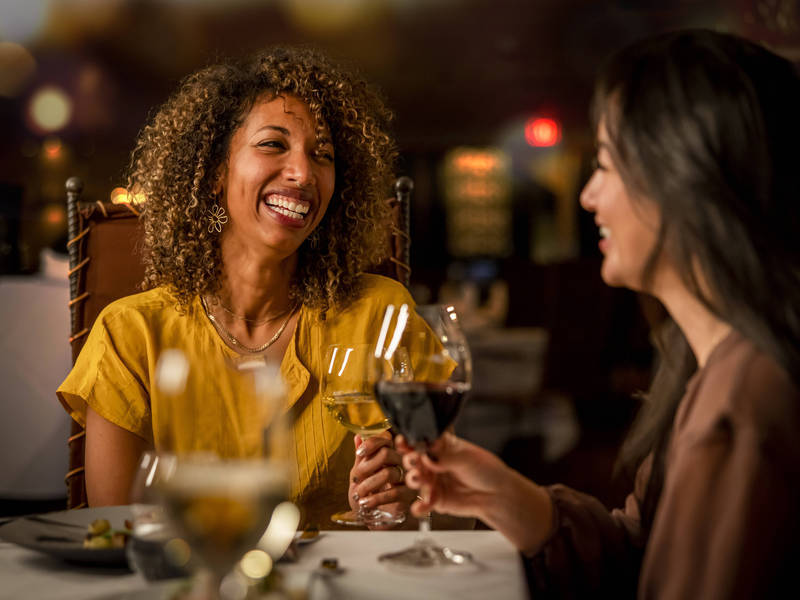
(52, 148)
(54, 215)
(542, 132)
(476, 162)
(120, 195)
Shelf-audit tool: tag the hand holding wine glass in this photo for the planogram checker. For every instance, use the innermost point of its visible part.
(348, 392)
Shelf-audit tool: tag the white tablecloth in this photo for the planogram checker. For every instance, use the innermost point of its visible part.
(27, 574)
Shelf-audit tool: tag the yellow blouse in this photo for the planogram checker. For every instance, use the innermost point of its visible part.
(114, 375)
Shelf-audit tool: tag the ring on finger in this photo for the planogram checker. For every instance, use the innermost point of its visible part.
(400, 472)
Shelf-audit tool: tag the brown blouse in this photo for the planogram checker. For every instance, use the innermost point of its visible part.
(726, 525)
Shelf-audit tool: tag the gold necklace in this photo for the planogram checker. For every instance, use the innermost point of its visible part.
(232, 339)
(219, 303)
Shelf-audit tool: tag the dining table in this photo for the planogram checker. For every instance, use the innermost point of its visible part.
(496, 571)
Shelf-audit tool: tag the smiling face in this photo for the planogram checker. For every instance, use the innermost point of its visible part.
(279, 178)
(628, 228)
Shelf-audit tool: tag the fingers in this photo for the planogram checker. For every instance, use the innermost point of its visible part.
(388, 475)
(398, 494)
(371, 445)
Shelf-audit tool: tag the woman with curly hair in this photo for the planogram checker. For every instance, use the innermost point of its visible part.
(265, 182)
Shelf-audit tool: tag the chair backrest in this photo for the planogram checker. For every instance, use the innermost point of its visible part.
(104, 266)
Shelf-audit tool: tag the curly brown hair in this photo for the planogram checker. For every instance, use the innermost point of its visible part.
(178, 156)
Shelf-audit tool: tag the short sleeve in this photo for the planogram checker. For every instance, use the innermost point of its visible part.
(110, 376)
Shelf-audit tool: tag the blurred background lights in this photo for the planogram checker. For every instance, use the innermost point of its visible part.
(119, 195)
(281, 529)
(332, 16)
(23, 19)
(54, 215)
(256, 564)
(50, 108)
(17, 66)
(542, 132)
(52, 148)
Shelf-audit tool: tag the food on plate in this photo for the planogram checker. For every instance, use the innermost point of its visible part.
(101, 535)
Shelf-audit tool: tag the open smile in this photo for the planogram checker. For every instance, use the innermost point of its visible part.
(290, 204)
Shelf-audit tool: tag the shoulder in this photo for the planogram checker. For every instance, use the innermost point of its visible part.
(380, 289)
(748, 390)
(375, 293)
(147, 307)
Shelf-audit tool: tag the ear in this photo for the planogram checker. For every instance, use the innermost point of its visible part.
(219, 188)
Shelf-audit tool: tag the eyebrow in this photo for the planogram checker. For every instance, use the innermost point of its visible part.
(277, 128)
(322, 141)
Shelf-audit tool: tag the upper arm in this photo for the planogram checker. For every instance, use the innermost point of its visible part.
(112, 456)
(722, 521)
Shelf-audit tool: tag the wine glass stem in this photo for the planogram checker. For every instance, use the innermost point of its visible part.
(424, 526)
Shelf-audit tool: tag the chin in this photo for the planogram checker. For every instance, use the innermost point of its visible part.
(611, 277)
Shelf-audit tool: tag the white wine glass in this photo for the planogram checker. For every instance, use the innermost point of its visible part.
(348, 393)
(221, 505)
(423, 403)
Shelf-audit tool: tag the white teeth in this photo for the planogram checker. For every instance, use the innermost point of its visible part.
(605, 232)
(276, 200)
(286, 212)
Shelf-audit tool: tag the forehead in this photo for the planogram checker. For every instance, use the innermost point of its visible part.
(286, 111)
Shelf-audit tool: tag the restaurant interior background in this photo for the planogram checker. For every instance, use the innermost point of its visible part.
(491, 103)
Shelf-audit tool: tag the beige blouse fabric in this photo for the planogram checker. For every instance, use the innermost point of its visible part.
(726, 525)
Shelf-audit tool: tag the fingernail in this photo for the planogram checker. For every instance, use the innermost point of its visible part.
(356, 496)
(355, 479)
(363, 501)
(414, 462)
(360, 451)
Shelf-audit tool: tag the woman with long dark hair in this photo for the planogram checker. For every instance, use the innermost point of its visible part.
(695, 196)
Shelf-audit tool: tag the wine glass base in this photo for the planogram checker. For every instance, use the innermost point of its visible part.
(372, 518)
(425, 556)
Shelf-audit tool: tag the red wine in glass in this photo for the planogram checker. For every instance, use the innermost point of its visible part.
(421, 411)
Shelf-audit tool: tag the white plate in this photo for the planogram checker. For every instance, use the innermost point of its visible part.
(66, 541)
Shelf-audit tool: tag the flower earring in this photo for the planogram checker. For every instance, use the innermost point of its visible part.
(216, 218)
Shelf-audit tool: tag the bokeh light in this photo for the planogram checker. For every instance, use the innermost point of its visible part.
(17, 66)
(52, 148)
(256, 564)
(119, 195)
(281, 529)
(23, 20)
(50, 108)
(323, 17)
(542, 132)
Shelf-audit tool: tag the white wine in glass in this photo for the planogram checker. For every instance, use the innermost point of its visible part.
(223, 507)
(348, 392)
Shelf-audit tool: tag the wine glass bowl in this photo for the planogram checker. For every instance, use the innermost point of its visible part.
(347, 390)
(222, 507)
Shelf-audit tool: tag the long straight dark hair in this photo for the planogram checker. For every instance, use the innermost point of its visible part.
(707, 125)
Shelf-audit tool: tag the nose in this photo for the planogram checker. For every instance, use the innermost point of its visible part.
(588, 197)
(298, 168)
